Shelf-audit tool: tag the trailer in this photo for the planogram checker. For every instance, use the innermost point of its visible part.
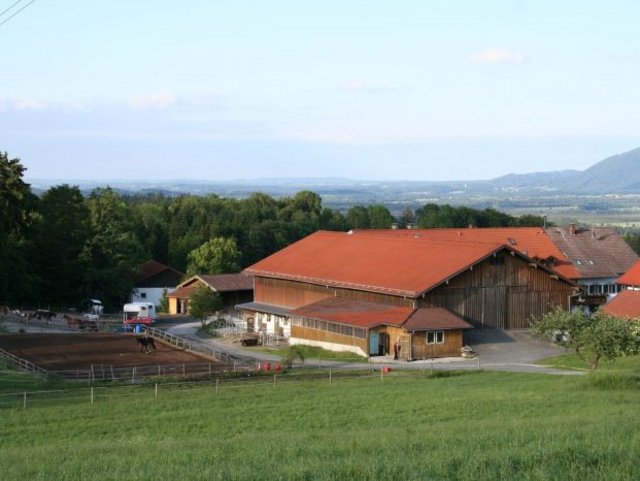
(139, 313)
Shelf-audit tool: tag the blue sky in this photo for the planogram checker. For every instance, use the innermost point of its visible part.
(219, 90)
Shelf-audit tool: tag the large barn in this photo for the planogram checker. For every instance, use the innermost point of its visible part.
(475, 282)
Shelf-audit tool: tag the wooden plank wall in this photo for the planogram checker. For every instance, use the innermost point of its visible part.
(505, 294)
(327, 336)
(293, 294)
(449, 348)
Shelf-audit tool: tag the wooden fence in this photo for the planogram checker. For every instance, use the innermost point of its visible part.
(197, 347)
(23, 363)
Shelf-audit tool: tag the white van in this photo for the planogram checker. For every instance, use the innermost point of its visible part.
(139, 313)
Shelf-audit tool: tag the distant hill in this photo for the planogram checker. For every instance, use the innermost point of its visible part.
(619, 173)
(616, 174)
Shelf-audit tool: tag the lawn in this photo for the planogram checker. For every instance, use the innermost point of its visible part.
(407, 426)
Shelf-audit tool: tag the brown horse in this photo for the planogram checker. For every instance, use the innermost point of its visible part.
(81, 323)
(146, 343)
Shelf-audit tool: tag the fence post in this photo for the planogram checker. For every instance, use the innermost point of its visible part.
(478, 361)
(329, 375)
(133, 375)
(24, 401)
(91, 394)
(113, 376)
(274, 380)
(217, 382)
(156, 390)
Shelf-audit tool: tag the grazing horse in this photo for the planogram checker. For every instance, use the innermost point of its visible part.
(146, 343)
(81, 323)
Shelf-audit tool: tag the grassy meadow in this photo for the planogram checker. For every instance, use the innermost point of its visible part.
(407, 426)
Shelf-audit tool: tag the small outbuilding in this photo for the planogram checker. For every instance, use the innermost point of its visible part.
(371, 329)
(234, 289)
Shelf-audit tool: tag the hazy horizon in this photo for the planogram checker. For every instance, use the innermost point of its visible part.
(433, 91)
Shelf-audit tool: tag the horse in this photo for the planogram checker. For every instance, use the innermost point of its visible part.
(73, 321)
(146, 343)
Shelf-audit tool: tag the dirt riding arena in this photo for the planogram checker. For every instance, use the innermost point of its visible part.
(100, 352)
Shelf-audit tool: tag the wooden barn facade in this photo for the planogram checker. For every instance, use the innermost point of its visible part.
(481, 284)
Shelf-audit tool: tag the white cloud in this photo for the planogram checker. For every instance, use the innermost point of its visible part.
(158, 100)
(498, 55)
(28, 104)
(355, 84)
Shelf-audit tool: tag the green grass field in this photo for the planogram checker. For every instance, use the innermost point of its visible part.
(408, 426)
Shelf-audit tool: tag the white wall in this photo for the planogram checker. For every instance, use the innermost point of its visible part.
(149, 294)
(329, 346)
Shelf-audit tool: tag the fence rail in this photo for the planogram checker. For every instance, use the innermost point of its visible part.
(197, 347)
(22, 363)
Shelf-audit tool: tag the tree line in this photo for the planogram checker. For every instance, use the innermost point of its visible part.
(62, 246)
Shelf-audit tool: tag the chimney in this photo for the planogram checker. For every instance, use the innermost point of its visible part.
(572, 229)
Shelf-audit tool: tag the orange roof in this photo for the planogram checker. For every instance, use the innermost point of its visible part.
(368, 314)
(354, 313)
(626, 305)
(631, 277)
(434, 318)
(533, 242)
(397, 265)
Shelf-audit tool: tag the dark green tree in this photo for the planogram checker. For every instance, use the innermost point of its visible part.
(204, 303)
(61, 237)
(358, 217)
(18, 208)
(380, 217)
(112, 251)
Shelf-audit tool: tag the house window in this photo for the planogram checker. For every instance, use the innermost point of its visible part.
(435, 337)
(143, 295)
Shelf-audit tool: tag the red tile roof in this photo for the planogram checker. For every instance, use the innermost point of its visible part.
(626, 305)
(219, 283)
(533, 242)
(229, 282)
(182, 292)
(152, 268)
(392, 264)
(354, 313)
(631, 277)
(595, 252)
(368, 314)
(434, 319)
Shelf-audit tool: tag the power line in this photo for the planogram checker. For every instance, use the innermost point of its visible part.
(5, 11)
(16, 13)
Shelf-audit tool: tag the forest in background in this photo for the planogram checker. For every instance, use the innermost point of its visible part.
(61, 246)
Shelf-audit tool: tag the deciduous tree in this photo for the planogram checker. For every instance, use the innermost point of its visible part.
(591, 337)
(216, 256)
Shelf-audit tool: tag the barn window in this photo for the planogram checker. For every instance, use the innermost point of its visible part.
(435, 337)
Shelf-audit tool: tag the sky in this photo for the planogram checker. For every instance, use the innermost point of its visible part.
(235, 89)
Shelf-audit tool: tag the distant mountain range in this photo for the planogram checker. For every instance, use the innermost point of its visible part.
(618, 174)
